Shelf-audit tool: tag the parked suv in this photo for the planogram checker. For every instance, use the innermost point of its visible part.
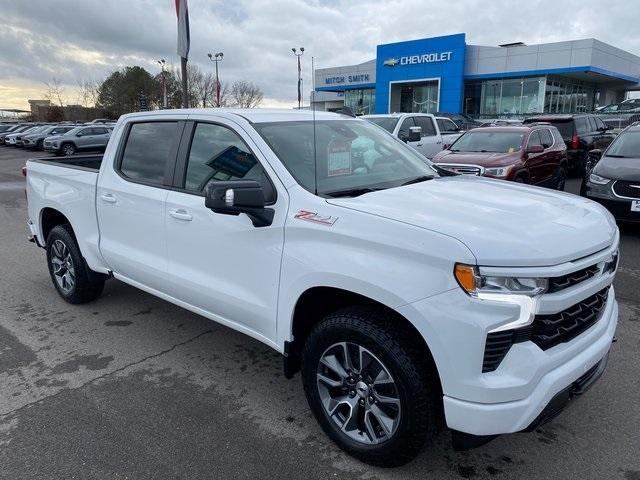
(79, 138)
(532, 154)
(581, 133)
(36, 139)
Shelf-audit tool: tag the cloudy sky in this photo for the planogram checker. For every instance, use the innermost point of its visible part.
(87, 39)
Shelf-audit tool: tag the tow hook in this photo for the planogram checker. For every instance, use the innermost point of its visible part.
(614, 339)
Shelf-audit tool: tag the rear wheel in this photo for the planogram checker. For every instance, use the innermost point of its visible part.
(561, 178)
(370, 388)
(70, 274)
(68, 149)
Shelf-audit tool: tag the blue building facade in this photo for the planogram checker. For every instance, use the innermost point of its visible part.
(446, 74)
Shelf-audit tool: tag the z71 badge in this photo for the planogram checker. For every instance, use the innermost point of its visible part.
(315, 217)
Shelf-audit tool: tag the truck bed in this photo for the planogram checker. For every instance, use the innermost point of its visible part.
(89, 162)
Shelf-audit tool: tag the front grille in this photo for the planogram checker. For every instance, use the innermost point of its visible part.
(546, 331)
(565, 281)
(623, 188)
(551, 330)
(463, 169)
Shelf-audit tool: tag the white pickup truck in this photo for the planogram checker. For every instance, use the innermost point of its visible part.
(408, 296)
(419, 130)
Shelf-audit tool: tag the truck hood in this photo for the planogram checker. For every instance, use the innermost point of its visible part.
(502, 223)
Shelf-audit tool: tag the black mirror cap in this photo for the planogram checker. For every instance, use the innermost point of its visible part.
(595, 154)
(415, 134)
(239, 196)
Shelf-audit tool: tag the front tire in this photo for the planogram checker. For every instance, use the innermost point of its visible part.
(70, 274)
(371, 389)
(68, 149)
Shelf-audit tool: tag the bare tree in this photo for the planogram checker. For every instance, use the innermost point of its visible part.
(246, 94)
(55, 92)
(87, 93)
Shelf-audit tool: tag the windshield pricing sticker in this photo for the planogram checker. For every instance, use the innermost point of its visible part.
(338, 158)
(635, 206)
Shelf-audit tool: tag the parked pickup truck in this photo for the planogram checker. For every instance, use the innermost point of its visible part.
(409, 296)
(419, 130)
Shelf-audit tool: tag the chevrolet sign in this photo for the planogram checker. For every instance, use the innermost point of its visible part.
(416, 59)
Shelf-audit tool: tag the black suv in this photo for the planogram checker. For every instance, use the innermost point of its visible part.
(581, 133)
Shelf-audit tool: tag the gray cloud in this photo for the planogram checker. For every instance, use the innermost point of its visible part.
(87, 39)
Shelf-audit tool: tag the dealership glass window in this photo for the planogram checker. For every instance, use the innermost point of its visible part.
(568, 95)
(361, 100)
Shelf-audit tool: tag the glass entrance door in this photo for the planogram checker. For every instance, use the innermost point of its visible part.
(414, 97)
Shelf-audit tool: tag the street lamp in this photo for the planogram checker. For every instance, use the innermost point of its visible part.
(216, 57)
(295, 52)
(162, 63)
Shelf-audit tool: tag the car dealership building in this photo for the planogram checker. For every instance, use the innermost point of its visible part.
(447, 74)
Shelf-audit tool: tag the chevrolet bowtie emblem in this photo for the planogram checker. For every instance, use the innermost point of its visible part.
(391, 62)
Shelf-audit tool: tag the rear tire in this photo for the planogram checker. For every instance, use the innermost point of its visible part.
(70, 274)
(382, 418)
(561, 178)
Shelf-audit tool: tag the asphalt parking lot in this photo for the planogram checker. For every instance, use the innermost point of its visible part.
(133, 387)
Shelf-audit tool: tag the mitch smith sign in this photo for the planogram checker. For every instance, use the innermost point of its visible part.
(417, 59)
(357, 78)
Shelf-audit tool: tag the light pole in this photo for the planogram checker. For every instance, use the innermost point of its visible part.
(295, 52)
(216, 57)
(164, 83)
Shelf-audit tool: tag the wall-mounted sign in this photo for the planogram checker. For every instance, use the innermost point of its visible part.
(417, 59)
(342, 79)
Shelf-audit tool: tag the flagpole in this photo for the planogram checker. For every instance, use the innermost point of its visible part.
(185, 99)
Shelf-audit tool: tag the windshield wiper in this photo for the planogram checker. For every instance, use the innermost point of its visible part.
(353, 192)
(617, 156)
(419, 179)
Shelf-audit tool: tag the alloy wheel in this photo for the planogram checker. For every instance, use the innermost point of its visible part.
(63, 268)
(68, 150)
(358, 393)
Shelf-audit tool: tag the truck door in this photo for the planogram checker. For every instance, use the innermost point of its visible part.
(403, 133)
(223, 264)
(431, 142)
(130, 202)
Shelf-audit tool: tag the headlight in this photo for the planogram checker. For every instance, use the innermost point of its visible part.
(522, 292)
(475, 284)
(593, 178)
(497, 171)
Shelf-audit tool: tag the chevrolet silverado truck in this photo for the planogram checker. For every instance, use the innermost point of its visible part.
(418, 130)
(409, 297)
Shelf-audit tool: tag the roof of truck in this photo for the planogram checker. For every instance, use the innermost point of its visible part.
(254, 115)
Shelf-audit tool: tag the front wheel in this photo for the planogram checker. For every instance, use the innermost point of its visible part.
(68, 149)
(70, 274)
(370, 389)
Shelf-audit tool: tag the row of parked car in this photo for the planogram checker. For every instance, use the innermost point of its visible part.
(58, 138)
(541, 150)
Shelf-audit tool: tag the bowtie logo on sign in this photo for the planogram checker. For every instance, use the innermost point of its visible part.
(417, 59)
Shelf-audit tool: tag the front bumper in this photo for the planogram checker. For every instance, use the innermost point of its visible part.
(619, 207)
(553, 388)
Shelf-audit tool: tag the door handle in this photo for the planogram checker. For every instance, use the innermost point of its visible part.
(418, 144)
(181, 214)
(108, 198)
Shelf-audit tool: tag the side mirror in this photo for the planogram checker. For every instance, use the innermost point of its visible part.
(78, 134)
(240, 196)
(446, 146)
(535, 149)
(415, 134)
(595, 154)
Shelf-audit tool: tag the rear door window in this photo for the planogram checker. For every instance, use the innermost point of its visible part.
(582, 125)
(426, 123)
(546, 139)
(149, 148)
(593, 126)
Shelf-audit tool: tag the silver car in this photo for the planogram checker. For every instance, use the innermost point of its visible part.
(86, 137)
(36, 139)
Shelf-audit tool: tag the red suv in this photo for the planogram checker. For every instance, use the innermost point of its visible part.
(534, 154)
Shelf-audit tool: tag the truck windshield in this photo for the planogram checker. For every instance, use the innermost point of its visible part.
(489, 141)
(351, 157)
(388, 123)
